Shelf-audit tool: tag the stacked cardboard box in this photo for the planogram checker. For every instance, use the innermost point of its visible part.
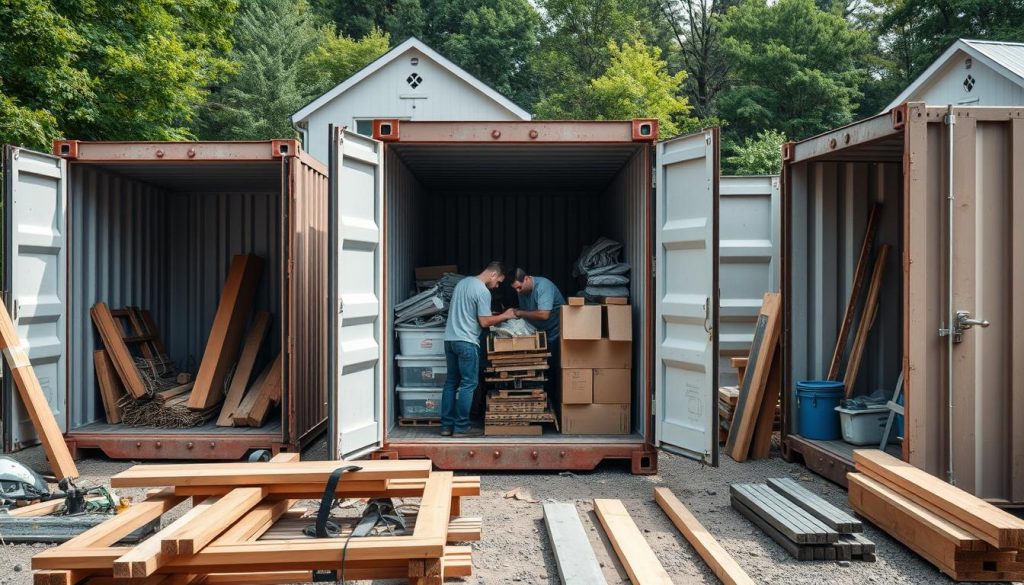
(597, 359)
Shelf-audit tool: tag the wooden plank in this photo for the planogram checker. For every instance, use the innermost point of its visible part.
(642, 566)
(997, 527)
(252, 474)
(721, 563)
(764, 426)
(575, 558)
(253, 409)
(112, 336)
(867, 320)
(245, 368)
(766, 337)
(858, 282)
(435, 507)
(226, 333)
(34, 400)
(164, 396)
(815, 505)
(217, 518)
(44, 508)
(145, 558)
(111, 389)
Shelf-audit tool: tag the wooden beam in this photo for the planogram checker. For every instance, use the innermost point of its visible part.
(34, 400)
(226, 333)
(462, 486)
(718, 559)
(756, 376)
(629, 544)
(435, 507)
(145, 558)
(577, 564)
(217, 518)
(996, 527)
(244, 370)
(858, 283)
(112, 336)
(764, 426)
(867, 320)
(253, 409)
(253, 474)
(111, 388)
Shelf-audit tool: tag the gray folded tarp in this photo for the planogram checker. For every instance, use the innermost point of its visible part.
(431, 302)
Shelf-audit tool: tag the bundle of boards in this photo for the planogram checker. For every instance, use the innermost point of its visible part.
(964, 536)
(803, 523)
(238, 530)
(517, 370)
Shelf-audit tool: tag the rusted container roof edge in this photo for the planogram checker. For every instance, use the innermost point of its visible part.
(508, 132)
(194, 151)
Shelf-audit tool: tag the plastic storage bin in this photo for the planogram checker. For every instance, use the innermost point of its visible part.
(413, 341)
(419, 402)
(816, 401)
(422, 371)
(863, 426)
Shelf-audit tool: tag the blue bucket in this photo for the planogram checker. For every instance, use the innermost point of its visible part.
(816, 401)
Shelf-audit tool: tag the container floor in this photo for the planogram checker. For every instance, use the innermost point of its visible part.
(272, 427)
(844, 450)
(430, 435)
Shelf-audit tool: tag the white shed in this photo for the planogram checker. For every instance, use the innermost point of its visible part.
(409, 82)
(977, 73)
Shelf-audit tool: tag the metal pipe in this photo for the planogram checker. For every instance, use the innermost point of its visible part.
(950, 121)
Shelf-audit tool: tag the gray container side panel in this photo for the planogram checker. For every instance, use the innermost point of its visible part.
(406, 202)
(206, 230)
(831, 204)
(626, 200)
(119, 257)
(749, 236)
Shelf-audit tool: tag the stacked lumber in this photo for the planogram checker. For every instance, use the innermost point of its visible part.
(728, 398)
(752, 418)
(244, 527)
(964, 536)
(807, 526)
(517, 403)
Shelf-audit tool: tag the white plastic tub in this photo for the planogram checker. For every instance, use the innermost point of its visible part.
(413, 341)
(419, 403)
(863, 427)
(422, 371)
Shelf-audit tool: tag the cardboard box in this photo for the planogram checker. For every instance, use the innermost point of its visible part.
(577, 386)
(595, 419)
(581, 322)
(600, 353)
(618, 322)
(612, 386)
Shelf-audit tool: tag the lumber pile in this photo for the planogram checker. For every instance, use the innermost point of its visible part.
(244, 527)
(807, 526)
(728, 398)
(752, 419)
(517, 403)
(964, 536)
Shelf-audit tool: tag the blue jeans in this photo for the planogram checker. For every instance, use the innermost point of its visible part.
(463, 359)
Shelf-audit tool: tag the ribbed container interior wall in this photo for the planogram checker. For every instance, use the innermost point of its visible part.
(627, 221)
(309, 316)
(169, 252)
(119, 255)
(829, 217)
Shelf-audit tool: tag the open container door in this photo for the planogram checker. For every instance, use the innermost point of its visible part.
(35, 273)
(355, 403)
(686, 296)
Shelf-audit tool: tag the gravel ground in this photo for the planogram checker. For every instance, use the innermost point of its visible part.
(515, 547)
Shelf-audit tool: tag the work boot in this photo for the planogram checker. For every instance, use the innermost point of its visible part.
(472, 432)
(446, 432)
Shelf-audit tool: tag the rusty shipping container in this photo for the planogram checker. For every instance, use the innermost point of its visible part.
(951, 310)
(155, 225)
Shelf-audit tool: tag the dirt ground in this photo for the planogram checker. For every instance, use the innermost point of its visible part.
(515, 547)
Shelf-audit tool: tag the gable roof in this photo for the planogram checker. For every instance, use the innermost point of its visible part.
(1006, 58)
(410, 43)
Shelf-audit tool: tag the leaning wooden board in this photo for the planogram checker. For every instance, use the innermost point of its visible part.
(762, 350)
(226, 333)
(629, 544)
(111, 388)
(32, 397)
(245, 368)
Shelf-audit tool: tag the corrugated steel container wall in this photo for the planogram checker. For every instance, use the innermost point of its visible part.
(903, 162)
(307, 303)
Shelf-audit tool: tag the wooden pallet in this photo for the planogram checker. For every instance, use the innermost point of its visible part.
(527, 343)
(516, 393)
(418, 422)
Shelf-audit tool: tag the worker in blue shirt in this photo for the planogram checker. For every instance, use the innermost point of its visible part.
(540, 303)
(469, 313)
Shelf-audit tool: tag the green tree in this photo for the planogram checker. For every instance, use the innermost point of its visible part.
(637, 84)
(337, 57)
(757, 156)
(108, 70)
(795, 68)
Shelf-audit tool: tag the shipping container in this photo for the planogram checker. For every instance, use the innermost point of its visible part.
(533, 194)
(963, 383)
(155, 225)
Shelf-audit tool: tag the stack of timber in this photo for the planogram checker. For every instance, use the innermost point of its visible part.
(753, 417)
(243, 527)
(728, 398)
(517, 403)
(803, 523)
(964, 536)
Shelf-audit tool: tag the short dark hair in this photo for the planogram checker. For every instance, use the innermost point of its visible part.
(517, 275)
(496, 266)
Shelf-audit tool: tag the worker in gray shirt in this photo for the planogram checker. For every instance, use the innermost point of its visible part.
(540, 302)
(468, 313)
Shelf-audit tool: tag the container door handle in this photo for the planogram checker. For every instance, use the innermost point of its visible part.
(707, 316)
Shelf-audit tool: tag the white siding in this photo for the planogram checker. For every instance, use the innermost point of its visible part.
(386, 94)
(991, 88)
